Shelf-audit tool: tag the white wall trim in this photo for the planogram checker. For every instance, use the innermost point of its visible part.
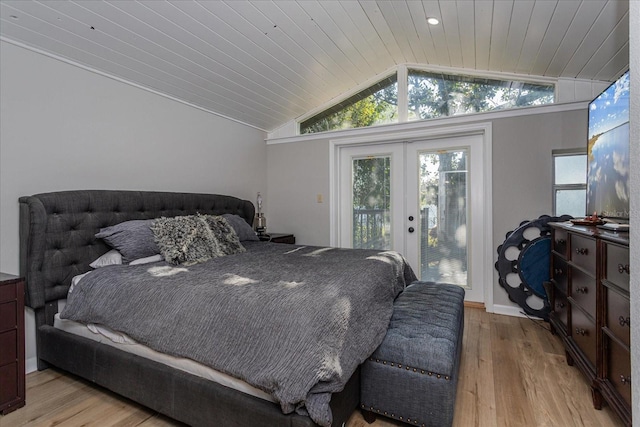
(488, 216)
(31, 365)
(508, 310)
(121, 80)
(423, 125)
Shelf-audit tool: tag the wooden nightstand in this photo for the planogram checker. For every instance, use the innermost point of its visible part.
(11, 343)
(279, 238)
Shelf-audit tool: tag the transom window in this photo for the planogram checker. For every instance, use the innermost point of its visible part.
(428, 95)
(433, 95)
(375, 105)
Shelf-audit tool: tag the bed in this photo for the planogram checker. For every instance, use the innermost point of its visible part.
(57, 243)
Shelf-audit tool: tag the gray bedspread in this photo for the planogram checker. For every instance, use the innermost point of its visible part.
(294, 321)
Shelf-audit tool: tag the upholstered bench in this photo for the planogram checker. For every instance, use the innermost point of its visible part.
(412, 376)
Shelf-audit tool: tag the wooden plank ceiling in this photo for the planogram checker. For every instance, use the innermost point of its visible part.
(265, 63)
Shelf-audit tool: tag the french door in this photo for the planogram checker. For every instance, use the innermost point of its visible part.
(421, 198)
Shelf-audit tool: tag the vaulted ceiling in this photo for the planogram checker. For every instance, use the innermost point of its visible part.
(265, 63)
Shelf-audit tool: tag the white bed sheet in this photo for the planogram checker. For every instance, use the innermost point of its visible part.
(122, 342)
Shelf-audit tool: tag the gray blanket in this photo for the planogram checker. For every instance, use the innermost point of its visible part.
(293, 321)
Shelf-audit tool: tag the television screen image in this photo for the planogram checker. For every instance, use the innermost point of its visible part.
(608, 152)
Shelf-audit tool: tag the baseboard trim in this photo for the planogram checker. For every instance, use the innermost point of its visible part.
(508, 310)
(31, 365)
(475, 304)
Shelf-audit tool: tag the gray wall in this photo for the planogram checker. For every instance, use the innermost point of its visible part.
(522, 178)
(66, 128)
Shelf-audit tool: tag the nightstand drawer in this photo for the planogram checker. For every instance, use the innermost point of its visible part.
(9, 381)
(12, 376)
(583, 331)
(583, 253)
(583, 290)
(7, 293)
(8, 348)
(279, 238)
(8, 316)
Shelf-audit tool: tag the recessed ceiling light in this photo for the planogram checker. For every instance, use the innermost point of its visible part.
(433, 21)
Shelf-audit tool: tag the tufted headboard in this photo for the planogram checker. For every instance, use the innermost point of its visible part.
(57, 231)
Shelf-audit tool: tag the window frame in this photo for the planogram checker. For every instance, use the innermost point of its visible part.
(401, 72)
(565, 152)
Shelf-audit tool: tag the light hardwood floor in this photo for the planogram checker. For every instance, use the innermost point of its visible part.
(513, 373)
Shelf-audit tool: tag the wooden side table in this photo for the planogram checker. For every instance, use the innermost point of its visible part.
(12, 373)
(279, 238)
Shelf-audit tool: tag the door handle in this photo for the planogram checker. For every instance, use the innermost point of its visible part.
(411, 229)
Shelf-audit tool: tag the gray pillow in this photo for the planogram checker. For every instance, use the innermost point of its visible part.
(133, 239)
(240, 226)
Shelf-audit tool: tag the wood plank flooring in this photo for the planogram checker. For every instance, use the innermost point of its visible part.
(513, 373)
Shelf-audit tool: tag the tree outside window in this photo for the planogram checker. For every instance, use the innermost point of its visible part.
(429, 95)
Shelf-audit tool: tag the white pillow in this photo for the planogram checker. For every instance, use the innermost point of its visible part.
(147, 260)
(113, 257)
(75, 280)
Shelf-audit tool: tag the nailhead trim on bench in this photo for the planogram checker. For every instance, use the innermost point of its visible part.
(386, 414)
(408, 368)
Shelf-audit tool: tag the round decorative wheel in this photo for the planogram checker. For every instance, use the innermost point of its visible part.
(523, 264)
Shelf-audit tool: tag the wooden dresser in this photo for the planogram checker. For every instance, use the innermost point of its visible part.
(589, 297)
(12, 370)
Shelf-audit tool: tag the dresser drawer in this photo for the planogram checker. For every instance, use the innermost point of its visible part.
(583, 253)
(618, 269)
(560, 242)
(561, 308)
(583, 331)
(618, 315)
(560, 273)
(583, 290)
(619, 372)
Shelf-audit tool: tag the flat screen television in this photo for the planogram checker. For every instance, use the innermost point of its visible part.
(608, 152)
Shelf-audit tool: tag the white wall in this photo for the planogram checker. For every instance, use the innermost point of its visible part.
(522, 177)
(66, 128)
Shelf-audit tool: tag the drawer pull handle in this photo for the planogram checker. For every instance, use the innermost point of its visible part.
(582, 332)
(560, 242)
(557, 271)
(625, 380)
(582, 251)
(624, 321)
(582, 290)
(560, 305)
(624, 269)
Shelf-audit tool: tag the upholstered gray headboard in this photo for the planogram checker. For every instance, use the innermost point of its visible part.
(57, 230)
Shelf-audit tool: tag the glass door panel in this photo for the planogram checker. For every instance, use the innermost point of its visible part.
(445, 205)
(371, 202)
(443, 210)
(371, 196)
